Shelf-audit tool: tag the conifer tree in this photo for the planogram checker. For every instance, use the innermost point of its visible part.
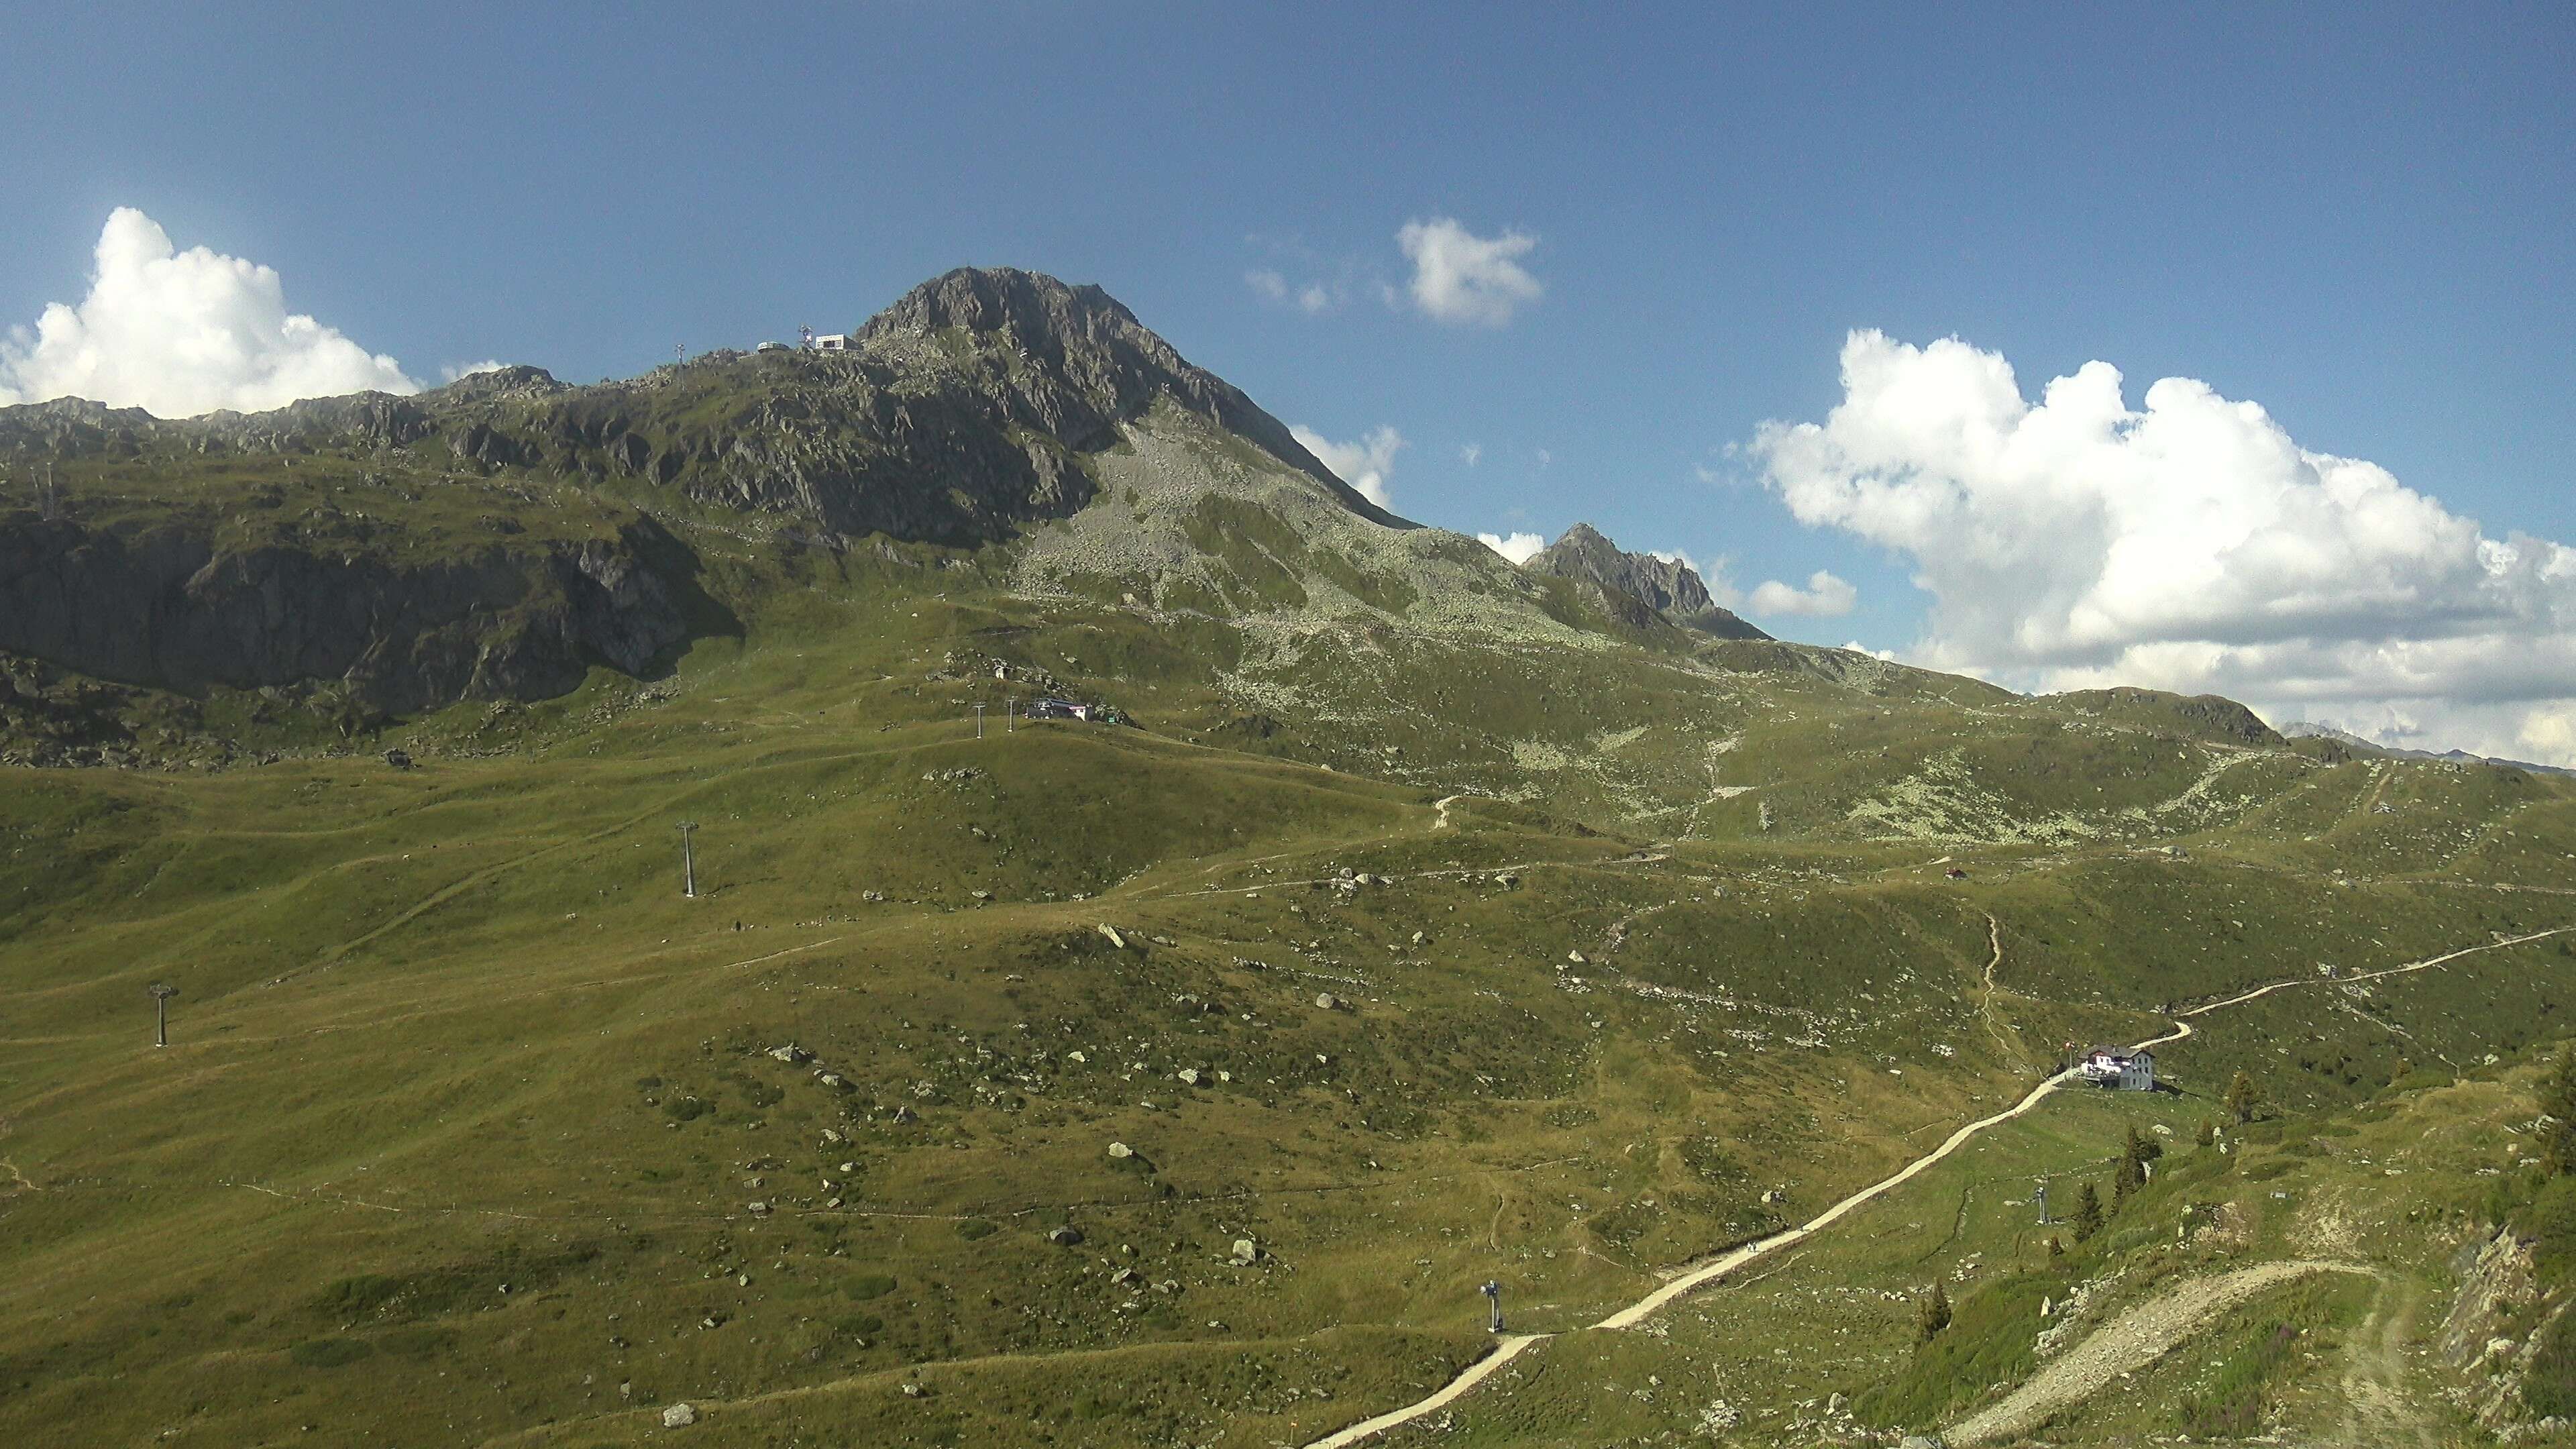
(2088, 1212)
(2240, 1097)
(2126, 1179)
(2208, 1132)
(1933, 1314)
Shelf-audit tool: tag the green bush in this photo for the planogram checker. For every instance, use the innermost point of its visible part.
(2549, 1220)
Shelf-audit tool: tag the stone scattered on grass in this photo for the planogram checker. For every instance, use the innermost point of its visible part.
(679, 1416)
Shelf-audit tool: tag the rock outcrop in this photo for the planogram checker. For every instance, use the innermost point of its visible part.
(169, 608)
(1668, 587)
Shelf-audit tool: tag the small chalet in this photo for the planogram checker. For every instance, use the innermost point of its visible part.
(2119, 1070)
(1058, 709)
(831, 342)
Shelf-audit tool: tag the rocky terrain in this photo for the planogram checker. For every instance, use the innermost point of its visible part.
(1668, 587)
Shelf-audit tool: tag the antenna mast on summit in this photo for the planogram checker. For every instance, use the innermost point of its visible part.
(805, 338)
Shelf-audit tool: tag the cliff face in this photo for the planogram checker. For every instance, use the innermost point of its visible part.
(170, 608)
(1667, 586)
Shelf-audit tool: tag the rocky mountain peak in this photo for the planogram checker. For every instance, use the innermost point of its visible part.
(1032, 307)
(1079, 364)
(1670, 587)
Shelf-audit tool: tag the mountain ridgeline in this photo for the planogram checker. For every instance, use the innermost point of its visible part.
(495, 538)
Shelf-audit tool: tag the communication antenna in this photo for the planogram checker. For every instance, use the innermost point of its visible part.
(1493, 1292)
(805, 338)
(161, 991)
(679, 354)
(688, 862)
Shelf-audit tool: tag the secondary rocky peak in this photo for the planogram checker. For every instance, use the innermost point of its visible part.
(1670, 587)
(502, 382)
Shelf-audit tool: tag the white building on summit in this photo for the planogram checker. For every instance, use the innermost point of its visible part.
(2120, 1070)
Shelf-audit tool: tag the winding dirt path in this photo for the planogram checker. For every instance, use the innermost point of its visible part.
(1717, 1268)
(2137, 1337)
(2376, 1409)
(1986, 997)
(1505, 1350)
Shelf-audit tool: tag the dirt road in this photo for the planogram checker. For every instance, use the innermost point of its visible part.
(2131, 1341)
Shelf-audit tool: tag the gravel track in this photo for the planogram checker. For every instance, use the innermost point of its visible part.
(2131, 1341)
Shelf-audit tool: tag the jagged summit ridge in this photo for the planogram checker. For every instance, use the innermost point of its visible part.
(963, 416)
(1670, 587)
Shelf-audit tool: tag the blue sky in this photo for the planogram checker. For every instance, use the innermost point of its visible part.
(2360, 221)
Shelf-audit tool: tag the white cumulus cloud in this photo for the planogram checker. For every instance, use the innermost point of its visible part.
(1471, 453)
(1364, 465)
(1461, 277)
(2188, 545)
(1520, 548)
(181, 333)
(1824, 597)
(453, 371)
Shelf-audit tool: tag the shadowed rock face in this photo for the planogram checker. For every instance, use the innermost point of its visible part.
(168, 609)
(963, 416)
(1667, 586)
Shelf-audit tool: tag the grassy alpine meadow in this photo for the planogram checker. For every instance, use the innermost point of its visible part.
(1179, 1081)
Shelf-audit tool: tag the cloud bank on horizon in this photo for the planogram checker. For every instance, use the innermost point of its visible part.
(181, 333)
(2191, 545)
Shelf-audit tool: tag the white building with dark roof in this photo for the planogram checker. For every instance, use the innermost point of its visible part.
(2125, 1071)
